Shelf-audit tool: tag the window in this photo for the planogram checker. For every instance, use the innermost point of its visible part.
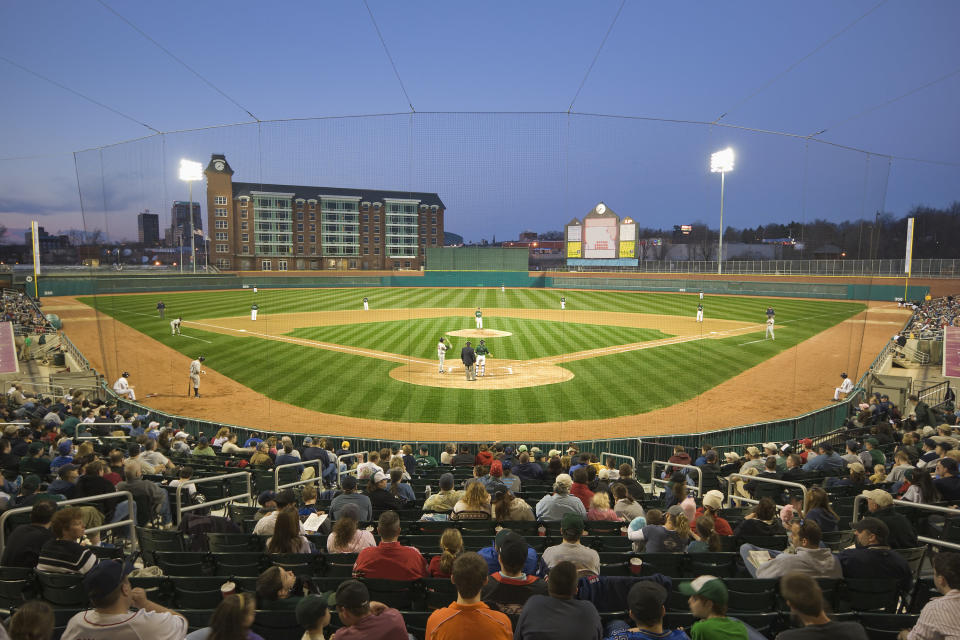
(299, 226)
(221, 235)
(244, 237)
(222, 224)
(366, 217)
(433, 230)
(243, 214)
(220, 212)
(406, 264)
(365, 238)
(313, 216)
(243, 226)
(265, 265)
(376, 229)
(300, 215)
(313, 239)
(376, 240)
(299, 238)
(366, 251)
(423, 241)
(223, 263)
(220, 200)
(222, 248)
(433, 241)
(300, 249)
(376, 251)
(376, 218)
(313, 227)
(366, 228)
(245, 249)
(243, 204)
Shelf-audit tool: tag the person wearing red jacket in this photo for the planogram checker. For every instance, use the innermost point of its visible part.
(712, 503)
(580, 489)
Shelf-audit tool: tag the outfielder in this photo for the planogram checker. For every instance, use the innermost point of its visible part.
(441, 352)
(122, 388)
(845, 387)
(699, 313)
(482, 353)
(253, 311)
(701, 294)
(175, 326)
(195, 371)
(770, 312)
(503, 288)
(479, 317)
(563, 303)
(366, 304)
(769, 333)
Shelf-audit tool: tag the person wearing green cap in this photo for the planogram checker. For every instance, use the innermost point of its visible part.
(708, 601)
(584, 558)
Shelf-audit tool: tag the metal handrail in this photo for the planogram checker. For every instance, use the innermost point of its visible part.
(340, 472)
(785, 483)
(917, 505)
(203, 505)
(276, 474)
(654, 480)
(130, 521)
(633, 461)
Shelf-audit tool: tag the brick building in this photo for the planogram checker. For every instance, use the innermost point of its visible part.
(273, 227)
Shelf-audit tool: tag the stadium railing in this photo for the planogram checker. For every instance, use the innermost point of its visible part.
(655, 479)
(343, 469)
(309, 463)
(210, 503)
(927, 268)
(932, 508)
(630, 459)
(129, 522)
(74, 352)
(746, 478)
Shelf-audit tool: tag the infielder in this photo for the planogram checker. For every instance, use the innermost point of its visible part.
(253, 311)
(482, 353)
(563, 303)
(366, 304)
(122, 388)
(195, 370)
(699, 313)
(175, 326)
(770, 312)
(160, 308)
(503, 288)
(769, 329)
(701, 294)
(845, 387)
(441, 352)
(479, 317)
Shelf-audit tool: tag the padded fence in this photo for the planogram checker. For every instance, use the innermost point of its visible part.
(476, 259)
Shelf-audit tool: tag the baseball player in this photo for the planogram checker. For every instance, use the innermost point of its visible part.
(122, 388)
(175, 326)
(366, 304)
(196, 369)
(701, 294)
(699, 313)
(160, 308)
(769, 333)
(441, 352)
(479, 317)
(503, 288)
(770, 312)
(253, 311)
(482, 353)
(563, 303)
(845, 387)
(254, 289)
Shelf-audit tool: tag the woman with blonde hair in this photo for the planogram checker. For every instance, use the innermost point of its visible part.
(222, 436)
(600, 508)
(261, 457)
(474, 505)
(397, 463)
(879, 474)
(509, 508)
(346, 537)
(451, 545)
(672, 536)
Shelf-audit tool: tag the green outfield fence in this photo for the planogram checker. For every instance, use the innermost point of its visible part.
(75, 284)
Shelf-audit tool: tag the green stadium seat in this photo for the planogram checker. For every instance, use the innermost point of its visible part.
(62, 589)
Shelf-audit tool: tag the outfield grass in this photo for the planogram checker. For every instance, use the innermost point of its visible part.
(529, 338)
(603, 387)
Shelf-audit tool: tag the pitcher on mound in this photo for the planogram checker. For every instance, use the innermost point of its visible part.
(479, 317)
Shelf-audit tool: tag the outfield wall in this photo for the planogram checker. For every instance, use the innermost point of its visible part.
(832, 288)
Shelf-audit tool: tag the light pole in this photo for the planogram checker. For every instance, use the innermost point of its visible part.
(180, 242)
(721, 162)
(190, 171)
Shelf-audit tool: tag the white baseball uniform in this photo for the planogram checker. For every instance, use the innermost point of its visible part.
(563, 303)
(503, 288)
(175, 327)
(366, 305)
(701, 295)
(195, 371)
(479, 317)
(253, 312)
(122, 388)
(441, 353)
(700, 313)
(769, 333)
(845, 387)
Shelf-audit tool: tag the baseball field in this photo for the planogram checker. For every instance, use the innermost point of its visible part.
(607, 355)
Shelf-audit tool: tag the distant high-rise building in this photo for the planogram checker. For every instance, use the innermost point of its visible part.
(148, 228)
(180, 221)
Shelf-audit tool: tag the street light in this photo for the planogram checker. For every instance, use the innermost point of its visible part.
(190, 171)
(721, 162)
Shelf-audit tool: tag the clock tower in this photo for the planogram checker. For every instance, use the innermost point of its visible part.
(221, 223)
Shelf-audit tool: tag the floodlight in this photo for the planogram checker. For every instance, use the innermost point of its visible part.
(190, 170)
(721, 161)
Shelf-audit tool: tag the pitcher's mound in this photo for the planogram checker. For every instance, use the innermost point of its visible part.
(479, 333)
(500, 374)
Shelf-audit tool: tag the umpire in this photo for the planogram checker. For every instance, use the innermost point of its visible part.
(468, 357)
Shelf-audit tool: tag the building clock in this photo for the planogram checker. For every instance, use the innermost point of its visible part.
(219, 165)
(601, 208)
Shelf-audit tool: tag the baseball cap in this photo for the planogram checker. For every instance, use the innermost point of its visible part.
(645, 598)
(35, 447)
(105, 577)
(497, 489)
(709, 587)
(571, 522)
(521, 448)
(64, 448)
(308, 440)
(345, 445)
(534, 449)
(203, 440)
(853, 445)
(506, 535)
(153, 424)
(181, 434)
(881, 497)
(285, 497)
(351, 594)
(713, 499)
(564, 479)
(876, 526)
(753, 451)
(312, 609)
(731, 456)
(348, 482)
(496, 469)
(265, 497)
(770, 446)
(65, 469)
(380, 476)
(873, 442)
(31, 482)
(675, 510)
(553, 452)
(806, 442)
(351, 510)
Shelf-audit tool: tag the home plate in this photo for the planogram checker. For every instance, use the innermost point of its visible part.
(242, 330)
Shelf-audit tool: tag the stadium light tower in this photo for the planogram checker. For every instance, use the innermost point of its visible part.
(721, 162)
(190, 171)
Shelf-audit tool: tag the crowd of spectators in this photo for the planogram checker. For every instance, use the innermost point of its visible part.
(932, 316)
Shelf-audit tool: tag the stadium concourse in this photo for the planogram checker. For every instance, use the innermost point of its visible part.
(848, 535)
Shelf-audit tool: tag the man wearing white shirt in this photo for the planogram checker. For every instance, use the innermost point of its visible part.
(441, 352)
(845, 387)
(122, 388)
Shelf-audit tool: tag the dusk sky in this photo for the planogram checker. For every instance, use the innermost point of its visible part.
(790, 67)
